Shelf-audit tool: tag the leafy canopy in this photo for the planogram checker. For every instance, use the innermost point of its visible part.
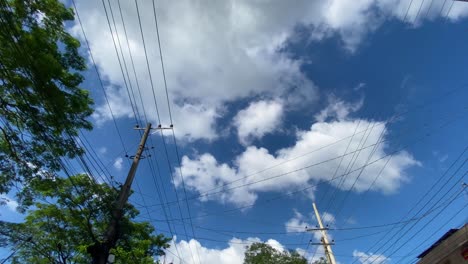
(41, 104)
(322, 260)
(71, 216)
(261, 253)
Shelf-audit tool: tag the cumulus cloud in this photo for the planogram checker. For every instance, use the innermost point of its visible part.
(219, 53)
(232, 254)
(258, 119)
(459, 10)
(367, 258)
(353, 20)
(338, 109)
(317, 150)
(298, 223)
(119, 106)
(214, 53)
(118, 163)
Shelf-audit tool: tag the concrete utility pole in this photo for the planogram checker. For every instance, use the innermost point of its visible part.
(100, 251)
(324, 241)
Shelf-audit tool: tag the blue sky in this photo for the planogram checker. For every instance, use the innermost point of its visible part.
(274, 92)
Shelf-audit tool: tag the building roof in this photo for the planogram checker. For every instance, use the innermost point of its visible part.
(438, 242)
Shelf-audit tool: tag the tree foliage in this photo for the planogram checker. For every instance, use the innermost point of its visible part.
(261, 253)
(322, 260)
(41, 104)
(71, 216)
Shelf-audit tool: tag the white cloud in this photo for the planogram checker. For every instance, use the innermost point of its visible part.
(118, 163)
(219, 53)
(214, 53)
(367, 258)
(118, 103)
(258, 119)
(316, 251)
(203, 172)
(198, 121)
(353, 20)
(338, 109)
(233, 254)
(298, 223)
(458, 11)
(11, 204)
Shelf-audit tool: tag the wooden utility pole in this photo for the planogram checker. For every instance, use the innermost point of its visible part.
(324, 241)
(100, 250)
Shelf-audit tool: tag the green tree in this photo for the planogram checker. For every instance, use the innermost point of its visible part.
(42, 106)
(72, 215)
(261, 253)
(322, 260)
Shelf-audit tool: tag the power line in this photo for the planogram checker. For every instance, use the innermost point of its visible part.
(419, 10)
(411, 227)
(26, 55)
(316, 164)
(99, 76)
(171, 120)
(407, 10)
(161, 198)
(120, 63)
(424, 196)
(100, 79)
(353, 160)
(147, 61)
(282, 175)
(442, 8)
(145, 116)
(144, 112)
(171, 172)
(137, 115)
(380, 138)
(418, 232)
(303, 189)
(450, 9)
(461, 239)
(131, 60)
(312, 186)
(128, 76)
(372, 184)
(429, 8)
(450, 218)
(391, 224)
(81, 160)
(341, 160)
(185, 191)
(157, 109)
(423, 227)
(395, 117)
(162, 62)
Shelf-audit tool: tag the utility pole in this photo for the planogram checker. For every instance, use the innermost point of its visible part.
(100, 250)
(324, 241)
